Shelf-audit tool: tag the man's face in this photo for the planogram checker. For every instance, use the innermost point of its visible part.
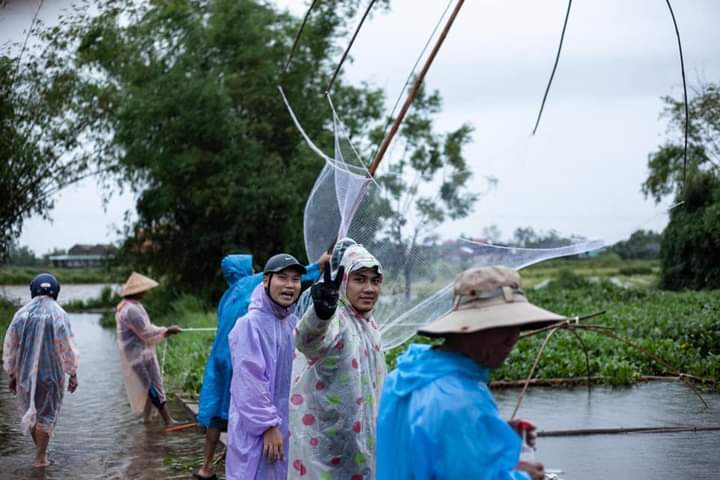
(363, 289)
(283, 287)
(491, 347)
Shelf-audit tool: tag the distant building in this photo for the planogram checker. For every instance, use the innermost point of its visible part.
(83, 256)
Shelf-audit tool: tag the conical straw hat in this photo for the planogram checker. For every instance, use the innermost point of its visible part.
(137, 283)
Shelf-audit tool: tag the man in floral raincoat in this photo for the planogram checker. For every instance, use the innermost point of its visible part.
(338, 374)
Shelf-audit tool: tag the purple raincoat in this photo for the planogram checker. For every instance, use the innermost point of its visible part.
(262, 348)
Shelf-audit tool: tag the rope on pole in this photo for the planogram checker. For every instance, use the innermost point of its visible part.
(552, 74)
(685, 99)
(347, 50)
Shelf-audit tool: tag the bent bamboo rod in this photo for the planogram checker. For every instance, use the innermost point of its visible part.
(618, 430)
(414, 92)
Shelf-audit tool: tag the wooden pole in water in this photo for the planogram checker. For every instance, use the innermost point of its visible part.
(414, 92)
(614, 431)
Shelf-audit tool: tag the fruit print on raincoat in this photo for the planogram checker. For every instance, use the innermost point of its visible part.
(215, 391)
(261, 345)
(39, 351)
(337, 376)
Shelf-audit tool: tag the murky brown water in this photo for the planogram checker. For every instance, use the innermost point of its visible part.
(97, 437)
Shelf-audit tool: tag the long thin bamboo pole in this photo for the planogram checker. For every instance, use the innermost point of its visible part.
(615, 431)
(414, 92)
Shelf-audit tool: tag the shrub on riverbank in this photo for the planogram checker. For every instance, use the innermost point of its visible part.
(15, 275)
(7, 310)
(682, 329)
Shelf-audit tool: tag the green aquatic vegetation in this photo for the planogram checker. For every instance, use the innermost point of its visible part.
(678, 331)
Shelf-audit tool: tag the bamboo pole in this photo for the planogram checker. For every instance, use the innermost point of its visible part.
(615, 431)
(413, 93)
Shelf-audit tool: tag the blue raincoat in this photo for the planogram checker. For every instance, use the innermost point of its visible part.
(215, 390)
(438, 420)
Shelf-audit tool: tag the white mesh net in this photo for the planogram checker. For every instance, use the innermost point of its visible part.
(420, 260)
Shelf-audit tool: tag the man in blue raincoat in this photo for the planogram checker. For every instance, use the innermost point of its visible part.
(215, 391)
(438, 419)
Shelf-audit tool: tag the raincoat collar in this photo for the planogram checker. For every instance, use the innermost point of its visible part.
(236, 267)
(422, 364)
(261, 301)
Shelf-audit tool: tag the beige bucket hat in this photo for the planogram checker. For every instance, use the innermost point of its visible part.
(489, 297)
(137, 283)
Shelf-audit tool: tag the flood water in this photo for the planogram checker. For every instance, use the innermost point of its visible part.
(623, 456)
(68, 292)
(97, 436)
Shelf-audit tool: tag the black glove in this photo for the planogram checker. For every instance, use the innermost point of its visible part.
(325, 294)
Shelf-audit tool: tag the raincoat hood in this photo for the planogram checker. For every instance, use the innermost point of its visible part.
(235, 267)
(261, 301)
(356, 257)
(421, 364)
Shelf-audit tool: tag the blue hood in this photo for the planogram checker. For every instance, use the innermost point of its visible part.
(421, 364)
(235, 267)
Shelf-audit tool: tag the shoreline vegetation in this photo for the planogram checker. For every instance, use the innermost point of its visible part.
(680, 329)
(23, 275)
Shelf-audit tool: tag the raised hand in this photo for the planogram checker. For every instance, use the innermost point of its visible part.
(326, 294)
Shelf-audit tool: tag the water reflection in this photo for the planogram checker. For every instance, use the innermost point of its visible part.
(68, 292)
(97, 436)
(623, 456)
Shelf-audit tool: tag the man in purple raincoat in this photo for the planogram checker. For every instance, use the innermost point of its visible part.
(262, 348)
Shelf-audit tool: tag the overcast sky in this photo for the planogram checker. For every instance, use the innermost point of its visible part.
(580, 174)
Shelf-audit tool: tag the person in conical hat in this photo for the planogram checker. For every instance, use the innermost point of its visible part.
(137, 338)
(437, 417)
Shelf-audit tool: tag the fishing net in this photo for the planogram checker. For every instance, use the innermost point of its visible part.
(420, 259)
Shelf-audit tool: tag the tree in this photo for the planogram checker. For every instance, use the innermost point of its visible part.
(527, 237)
(179, 101)
(642, 244)
(690, 243)
(34, 140)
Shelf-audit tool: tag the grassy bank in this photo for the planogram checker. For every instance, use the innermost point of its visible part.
(682, 329)
(16, 275)
(7, 310)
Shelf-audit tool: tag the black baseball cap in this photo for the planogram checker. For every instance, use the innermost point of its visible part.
(283, 261)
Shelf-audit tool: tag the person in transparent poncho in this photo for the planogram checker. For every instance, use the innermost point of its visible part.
(337, 374)
(136, 338)
(38, 352)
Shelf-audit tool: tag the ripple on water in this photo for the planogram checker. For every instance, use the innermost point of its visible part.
(97, 436)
